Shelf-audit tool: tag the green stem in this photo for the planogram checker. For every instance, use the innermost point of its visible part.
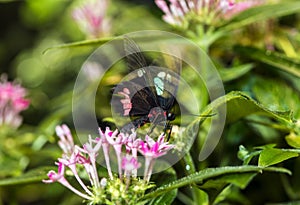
(210, 173)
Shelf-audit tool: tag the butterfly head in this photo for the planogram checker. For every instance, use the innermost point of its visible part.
(170, 116)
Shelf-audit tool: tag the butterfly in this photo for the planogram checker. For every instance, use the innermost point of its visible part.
(147, 95)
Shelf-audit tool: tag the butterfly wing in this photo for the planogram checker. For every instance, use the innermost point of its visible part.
(139, 67)
(131, 99)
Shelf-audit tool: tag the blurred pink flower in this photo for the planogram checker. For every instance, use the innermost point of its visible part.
(12, 102)
(241, 6)
(179, 12)
(66, 140)
(129, 163)
(91, 18)
(175, 11)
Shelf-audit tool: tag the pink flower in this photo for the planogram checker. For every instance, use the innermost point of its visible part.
(175, 11)
(241, 6)
(107, 137)
(91, 18)
(66, 142)
(132, 144)
(59, 176)
(92, 151)
(20, 104)
(74, 158)
(154, 149)
(92, 147)
(12, 102)
(151, 150)
(180, 12)
(129, 163)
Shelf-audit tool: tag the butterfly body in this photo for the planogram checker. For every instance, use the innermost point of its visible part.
(147, 94)
(142, 108)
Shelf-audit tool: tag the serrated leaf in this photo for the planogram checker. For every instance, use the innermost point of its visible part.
(210, 173)
(271, 156)
(270, 92)
(278, 60)
(36, 175)
(260, 13)
(239, 105)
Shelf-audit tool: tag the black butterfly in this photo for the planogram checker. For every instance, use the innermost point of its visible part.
(148, 93)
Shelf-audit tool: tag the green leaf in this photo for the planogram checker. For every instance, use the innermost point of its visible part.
(7, 1)
(270, 92)
(35, 175)
(210, 173)
(278, 60)
(283, 41)
(10, 167)
(293, 140)
(229, 74)
(101, 41)
(232, 195)
(271, 156)
(260, 13)
(245, 155)
(240, 105)
(163, 178)
(79, 44)
(215, 187)
(239, 180)
(165, 199)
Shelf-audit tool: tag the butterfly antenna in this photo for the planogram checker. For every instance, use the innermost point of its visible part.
(209, 115)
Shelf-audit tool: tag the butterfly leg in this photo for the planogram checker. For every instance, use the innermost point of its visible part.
(169, 126)
(156, 118)
(134, 124)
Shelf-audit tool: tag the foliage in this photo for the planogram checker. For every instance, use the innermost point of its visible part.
(256, 53)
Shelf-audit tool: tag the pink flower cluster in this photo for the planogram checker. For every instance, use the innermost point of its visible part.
(75, 156)
(12, 102)
(176, 11)
(91, 18)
